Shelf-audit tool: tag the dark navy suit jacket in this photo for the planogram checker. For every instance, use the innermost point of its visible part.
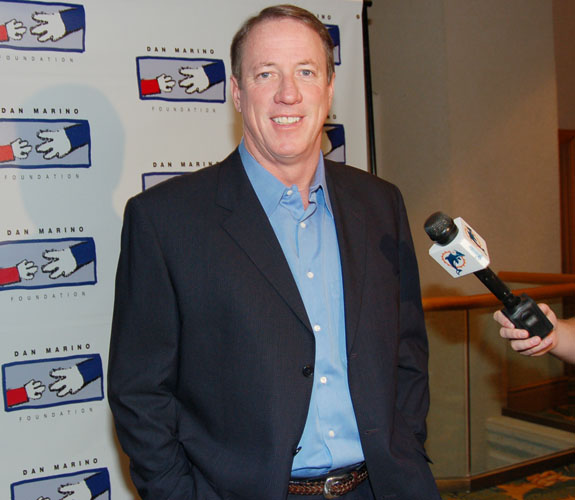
(212, 353)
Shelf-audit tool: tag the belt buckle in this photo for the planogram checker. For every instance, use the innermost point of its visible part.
(330, 482)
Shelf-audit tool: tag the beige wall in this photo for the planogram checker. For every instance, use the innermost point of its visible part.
(564, 27)
(466, 122)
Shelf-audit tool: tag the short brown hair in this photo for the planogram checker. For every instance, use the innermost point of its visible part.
(284, 11)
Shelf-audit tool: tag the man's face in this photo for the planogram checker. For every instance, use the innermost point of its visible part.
(284, 95)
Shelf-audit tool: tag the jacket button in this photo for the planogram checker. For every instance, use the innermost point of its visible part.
(307, 370)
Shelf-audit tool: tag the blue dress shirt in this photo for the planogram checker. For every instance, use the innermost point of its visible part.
(308, 238)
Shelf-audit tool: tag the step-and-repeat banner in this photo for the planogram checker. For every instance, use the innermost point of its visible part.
(100, 100)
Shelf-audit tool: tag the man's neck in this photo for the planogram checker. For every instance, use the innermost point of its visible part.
(299, 172)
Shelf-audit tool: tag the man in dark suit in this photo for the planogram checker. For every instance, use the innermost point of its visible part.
(268, 340)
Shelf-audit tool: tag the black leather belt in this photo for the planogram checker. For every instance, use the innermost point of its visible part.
(335, 484)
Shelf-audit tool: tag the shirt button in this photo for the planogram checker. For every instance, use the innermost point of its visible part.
(323, 380)
(289, 192)
(309, 275)
(316, 328)
(303, 225)
(307, 371)
(331, 434)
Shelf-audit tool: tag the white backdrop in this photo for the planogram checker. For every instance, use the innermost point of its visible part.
(93, 109)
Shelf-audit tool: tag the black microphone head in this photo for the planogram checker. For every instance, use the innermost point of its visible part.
(440, 228)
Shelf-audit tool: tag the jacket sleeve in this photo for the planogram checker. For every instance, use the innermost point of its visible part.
(143, 364)
(91, 369)
(84, 252)
(6, 151)
(98, 483)
(16, 396)
(78, 135)
(215, 72)
(73, 19)
(9, 275)
(150, 87)
(413, 383)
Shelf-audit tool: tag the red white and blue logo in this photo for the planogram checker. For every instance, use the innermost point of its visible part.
(31, 144)
(181, 79)
(52, 382)
(93, 483)
(47, 263)
(42, 26)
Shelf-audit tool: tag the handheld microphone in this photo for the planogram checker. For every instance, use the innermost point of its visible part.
(461, 251)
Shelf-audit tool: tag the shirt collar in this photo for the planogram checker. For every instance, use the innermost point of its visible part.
(270, 190)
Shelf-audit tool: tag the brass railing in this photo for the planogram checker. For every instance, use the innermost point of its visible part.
(565, 286)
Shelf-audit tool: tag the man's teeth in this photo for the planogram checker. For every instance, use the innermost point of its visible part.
(286, 120)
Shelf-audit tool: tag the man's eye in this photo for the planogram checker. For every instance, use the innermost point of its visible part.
(306, 72)
(264, 75)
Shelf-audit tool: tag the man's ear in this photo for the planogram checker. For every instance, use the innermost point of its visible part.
(331, 85)
(236, 93)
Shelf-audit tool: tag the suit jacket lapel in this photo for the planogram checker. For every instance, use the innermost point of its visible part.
(351, 234)
(249, 226)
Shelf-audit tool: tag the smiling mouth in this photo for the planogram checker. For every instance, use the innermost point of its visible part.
(286, 120)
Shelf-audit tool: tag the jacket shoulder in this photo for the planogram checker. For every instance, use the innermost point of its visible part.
(359, 182)
(191, 187)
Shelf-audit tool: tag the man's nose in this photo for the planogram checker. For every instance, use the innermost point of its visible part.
(288, 91)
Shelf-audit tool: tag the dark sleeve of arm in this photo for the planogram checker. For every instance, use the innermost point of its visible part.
(84, 252)
(335, 136)
(215, 72)
(413, 383)
(78, 135)
(143, 364)
(98, 483)
(73, 19)
(91, 369)
(334, 34)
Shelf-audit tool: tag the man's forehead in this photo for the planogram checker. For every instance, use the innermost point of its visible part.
(276, 29)
(269, 53)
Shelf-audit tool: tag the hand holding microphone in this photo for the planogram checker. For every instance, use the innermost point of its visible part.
(461, 251)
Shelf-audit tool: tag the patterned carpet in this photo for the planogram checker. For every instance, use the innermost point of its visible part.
(556, 484)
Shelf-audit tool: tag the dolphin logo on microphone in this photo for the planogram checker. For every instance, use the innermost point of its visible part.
(454, 259)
